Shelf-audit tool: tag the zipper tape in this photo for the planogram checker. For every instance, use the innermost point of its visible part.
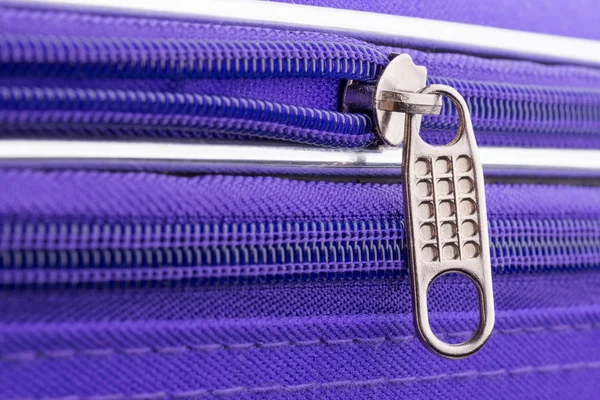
(368, 26)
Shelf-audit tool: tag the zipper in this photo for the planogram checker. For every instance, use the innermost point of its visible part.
(445, 211)
(446, 219)
(58, 253)
(502, 113)
(521, 110)
(225, 117)
(445, 214)
(180, 59)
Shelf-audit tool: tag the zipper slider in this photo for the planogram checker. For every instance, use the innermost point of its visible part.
(444, 196)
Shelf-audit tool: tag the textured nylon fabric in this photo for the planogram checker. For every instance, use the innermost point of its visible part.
(332, 340)
(159, 227)
(106, 292)
(74, 196)
(328, 337)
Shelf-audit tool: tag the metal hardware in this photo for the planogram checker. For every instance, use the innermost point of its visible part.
(444, 205)
(394, 96)
(408, 102)
(400, 76)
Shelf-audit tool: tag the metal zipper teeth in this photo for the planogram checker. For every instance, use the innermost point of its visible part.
(173, 58)
(77, 253)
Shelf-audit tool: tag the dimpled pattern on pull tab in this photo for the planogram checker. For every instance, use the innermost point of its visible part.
(447, 221)
(453, 233)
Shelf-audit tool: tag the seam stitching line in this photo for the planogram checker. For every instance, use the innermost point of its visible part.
(471, 374)
(71, 353)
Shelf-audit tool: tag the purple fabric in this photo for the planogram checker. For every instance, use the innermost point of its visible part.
(332, 336)
(312, 92)
(567, 18)
(164, 228)
(290, 340)
(31, 22)
(333, 339)
(574, 18)
(73, 196)
(517, 72)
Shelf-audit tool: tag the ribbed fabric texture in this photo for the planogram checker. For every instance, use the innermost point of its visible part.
(326, 335)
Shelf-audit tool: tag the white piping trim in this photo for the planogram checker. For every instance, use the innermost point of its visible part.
(372, 162)
(391, 29)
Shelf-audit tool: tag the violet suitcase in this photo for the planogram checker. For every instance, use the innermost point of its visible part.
(299, 199)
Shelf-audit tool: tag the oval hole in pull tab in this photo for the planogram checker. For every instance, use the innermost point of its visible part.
(453, 344)
(449, 111)
(453, 210)
(453, 304)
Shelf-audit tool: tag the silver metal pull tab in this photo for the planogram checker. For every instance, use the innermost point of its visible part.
(444, 207)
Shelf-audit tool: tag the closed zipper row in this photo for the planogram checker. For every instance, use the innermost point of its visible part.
(64, 254)
(534, 115)
(495, 108)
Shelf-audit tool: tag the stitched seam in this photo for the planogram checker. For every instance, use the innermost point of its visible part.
(471, 374)
(71, 353)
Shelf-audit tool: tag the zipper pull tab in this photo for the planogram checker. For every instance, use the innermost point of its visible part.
(444, 197)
